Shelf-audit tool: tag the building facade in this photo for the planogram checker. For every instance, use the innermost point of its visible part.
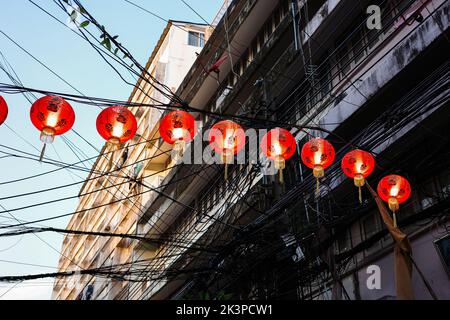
(169, 62)
(319, 68)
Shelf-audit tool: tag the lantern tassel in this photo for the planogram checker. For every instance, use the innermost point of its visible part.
(360, 194)
(42, 152)
(111, 157)
(317, 188)
(226, 172)
(281, 177)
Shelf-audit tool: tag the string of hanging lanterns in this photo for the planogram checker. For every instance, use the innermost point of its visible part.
(53, 116)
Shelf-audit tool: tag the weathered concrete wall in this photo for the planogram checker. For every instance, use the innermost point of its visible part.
(377, 73)
(325, 10)
(428, 260)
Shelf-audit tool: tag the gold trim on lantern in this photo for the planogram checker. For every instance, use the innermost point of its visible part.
(47, 135)
(359, 180)
(318, 171)
(114, 141)
(393, 204)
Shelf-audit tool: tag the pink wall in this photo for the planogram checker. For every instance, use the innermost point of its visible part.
(426, 257)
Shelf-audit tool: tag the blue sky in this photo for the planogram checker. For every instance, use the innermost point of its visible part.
(75, 61)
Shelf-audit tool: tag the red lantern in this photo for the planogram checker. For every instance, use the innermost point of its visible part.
(358, 165)
(116, 125)
(52, 116)
(3, 110)
(318, 154)
(394, 190)
(279, 145)
(177, 127)
(227, 138)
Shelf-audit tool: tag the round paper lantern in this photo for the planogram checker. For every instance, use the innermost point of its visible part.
(279, 145)
(358, 165)
(394, 190)
(318, 154)
(227, 138)
(52, 116)
(176, 126)
(116, 125)
(3, 110)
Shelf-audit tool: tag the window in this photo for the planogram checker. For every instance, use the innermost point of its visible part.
(324, 78)
(357, 41)
(276, 17)
(285, 8)
(255, 48)
(245, 59)
(343, 242)
(374, 35)
(357, 44)
(196, 39)
(343, 58)
(267, 30)
(370, 225)
(160, 71)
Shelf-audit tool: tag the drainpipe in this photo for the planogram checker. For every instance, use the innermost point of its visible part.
(295, 24)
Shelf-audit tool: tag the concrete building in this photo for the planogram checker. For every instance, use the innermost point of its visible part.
(169, 62)
(313, 65)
